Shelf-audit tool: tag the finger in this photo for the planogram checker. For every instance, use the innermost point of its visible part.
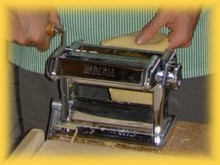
(53, 22)
(150, 30)
(54, 18)
(42, 42)
(39, 38)
(178, 40)
(44, 46)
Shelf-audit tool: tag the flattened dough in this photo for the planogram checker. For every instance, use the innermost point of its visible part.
(158, 43)
(131, 96)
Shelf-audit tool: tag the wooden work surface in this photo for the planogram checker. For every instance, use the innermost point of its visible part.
(188, 138)
(184, 139)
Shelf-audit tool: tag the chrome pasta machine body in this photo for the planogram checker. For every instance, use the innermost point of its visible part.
(81, 65)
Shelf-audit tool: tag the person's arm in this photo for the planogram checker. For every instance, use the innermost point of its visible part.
(29, 27)
(181, 24)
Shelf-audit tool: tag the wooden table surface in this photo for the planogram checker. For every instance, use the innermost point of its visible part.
(185, 139)
(188, 138)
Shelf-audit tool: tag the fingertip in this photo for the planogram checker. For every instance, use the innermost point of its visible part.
(144, 36)
(140, 39)
(150, 30)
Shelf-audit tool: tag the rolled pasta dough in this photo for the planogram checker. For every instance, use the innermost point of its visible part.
(158, 43)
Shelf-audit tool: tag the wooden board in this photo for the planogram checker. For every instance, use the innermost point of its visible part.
(30, 144)
(188, 139)
(185, 139)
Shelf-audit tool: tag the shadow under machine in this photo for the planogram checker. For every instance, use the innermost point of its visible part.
(82, 65)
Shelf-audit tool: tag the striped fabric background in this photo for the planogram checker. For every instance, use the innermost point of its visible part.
(94, 26)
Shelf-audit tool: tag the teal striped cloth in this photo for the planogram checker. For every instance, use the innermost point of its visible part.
(93, 26)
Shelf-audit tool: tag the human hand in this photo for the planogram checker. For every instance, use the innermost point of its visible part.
(29, 27)
(181, 24)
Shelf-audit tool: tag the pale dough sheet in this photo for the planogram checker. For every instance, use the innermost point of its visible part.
(122, 95)
(158, 43)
